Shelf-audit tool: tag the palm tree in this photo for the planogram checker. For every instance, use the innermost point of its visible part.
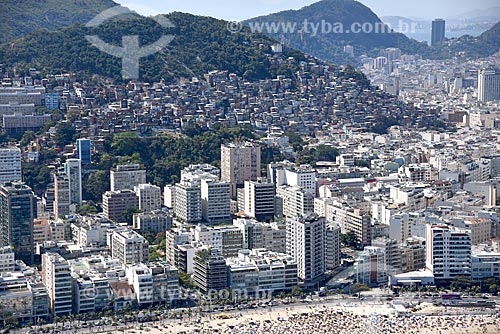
(56, 320)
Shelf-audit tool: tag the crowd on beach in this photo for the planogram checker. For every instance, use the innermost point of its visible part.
(331, 321)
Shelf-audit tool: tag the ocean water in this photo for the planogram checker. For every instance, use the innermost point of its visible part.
(425, 36)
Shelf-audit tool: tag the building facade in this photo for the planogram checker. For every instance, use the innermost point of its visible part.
(127, 177)
(73, 169)
(370, 266)
(10, 165)
(259, 199)
(215, 201)
(84, 150)
(116, 203)
(129, 247)
(305, 242)
(210, 272)
(240, 162)
(18, 209)
(58, 281)
(438, 32)
(149, 197)
(448, 252)
(488, 85)
(188, 202)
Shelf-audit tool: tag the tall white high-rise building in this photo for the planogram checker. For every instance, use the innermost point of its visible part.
(305, 242)
(488, 85)
(303, 176)
(215, 201)
(448, 252)
(7, 260)
(240, 162)
(169, 196)
(10, 165)
(259, 199)
(392, 253)
(129, 247)
(57, 279)
(127, 177)
(62, 195)
(256, 235)
(149, 197)
(73, 169)
(175, 237)
(370, 266)
(294, 201)
(332, 246)
(188, 202)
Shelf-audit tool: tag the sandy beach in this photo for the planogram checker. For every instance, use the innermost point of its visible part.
(340, 319)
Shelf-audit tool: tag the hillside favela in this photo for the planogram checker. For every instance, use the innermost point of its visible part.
(250, 167)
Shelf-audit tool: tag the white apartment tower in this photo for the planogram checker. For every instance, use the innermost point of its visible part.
(488, 85)
(215, 201)
(294, 201)
(57, 279)
(129, 247)
(370, 267)
(188, 202)
(7, 260)
(448, 252)
(257, 235)
(332, 246)
(73, 169)
(303, 176)
(169, 196)
(240, 162)
(10, 165)
(127, 177)
(305, 242)
(62, 195)
(149, 197)
(259, 199)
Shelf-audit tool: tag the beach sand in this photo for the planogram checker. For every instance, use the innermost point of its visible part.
(338, 319)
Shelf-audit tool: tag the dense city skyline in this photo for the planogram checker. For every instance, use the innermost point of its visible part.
(302, 172)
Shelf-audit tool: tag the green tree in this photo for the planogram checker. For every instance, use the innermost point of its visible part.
(27, 137)
(350, 239)
(460, 283)
(87, 209)
(96, 185)
(47, 156)
(358, 287)
(128, 215)
(11, 322)
(297, 291)
(491, 285)
(128, 143)
(135, 158)
(185, 280)
(295, 140)
(64, 134)
(37, 177)
(325, 153)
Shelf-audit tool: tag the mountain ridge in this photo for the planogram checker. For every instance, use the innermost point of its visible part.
(21, 17)
(329, 47)
(200, 44)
